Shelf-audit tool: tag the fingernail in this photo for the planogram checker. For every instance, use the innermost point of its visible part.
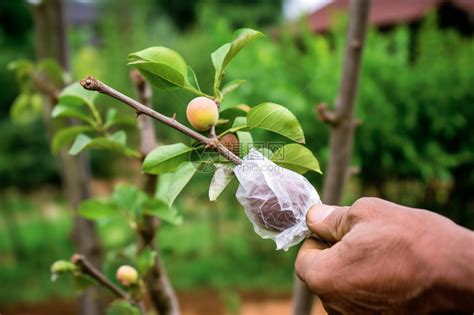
(318, 213)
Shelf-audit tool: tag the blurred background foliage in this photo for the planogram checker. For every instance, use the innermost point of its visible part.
(415, 145)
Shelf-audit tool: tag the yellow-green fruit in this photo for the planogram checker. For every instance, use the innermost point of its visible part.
(202, 113)
(127, 275)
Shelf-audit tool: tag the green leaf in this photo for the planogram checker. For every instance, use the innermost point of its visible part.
(231, 113)
(20, 65)
(82, 282)
(26, 108)
(171, 184)
(72, 110)
(232, 86)
(163, 67)
(94, 209)
(23, 69)
(120, 136)
(76, 94)
(128, 197)
(266, 152)
(276, 118)
(221, 178)
(116, 142)
(146, 260)
(80, 144)
(239, 123)
(66, 135)
(122, 307)
(62, 266)
(113, 118)
(223, 55)
(297, 158)
(166, 158)
(218, 57)
(110, 117)
(192, 79)
(52, 70)
(245, 142)
(158, 209)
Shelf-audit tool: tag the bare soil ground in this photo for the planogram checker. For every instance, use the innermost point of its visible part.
(200, 303)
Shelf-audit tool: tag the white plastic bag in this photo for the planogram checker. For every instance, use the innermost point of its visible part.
(275, 199)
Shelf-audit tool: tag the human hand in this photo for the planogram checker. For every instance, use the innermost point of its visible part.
(387, 259)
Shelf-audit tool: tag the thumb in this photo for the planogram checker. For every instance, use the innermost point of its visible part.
(330, 223)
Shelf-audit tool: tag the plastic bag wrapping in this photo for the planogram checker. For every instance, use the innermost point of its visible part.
(275, 199)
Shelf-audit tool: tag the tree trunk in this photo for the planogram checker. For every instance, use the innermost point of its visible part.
(51, 42)
(158, 286)
(343, 124)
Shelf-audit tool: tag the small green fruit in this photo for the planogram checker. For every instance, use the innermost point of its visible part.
(127, 275)
(63, 266)
(202, 113)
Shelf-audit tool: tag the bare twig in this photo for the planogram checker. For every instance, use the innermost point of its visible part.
(89, 269)
(93, 84)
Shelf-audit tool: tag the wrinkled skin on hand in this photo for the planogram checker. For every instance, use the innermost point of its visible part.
(387, 259)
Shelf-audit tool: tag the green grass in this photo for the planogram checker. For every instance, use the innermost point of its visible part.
(30, 242)
(215, 247)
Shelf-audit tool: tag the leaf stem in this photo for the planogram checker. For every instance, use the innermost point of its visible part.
(93, 84)
(95, 113)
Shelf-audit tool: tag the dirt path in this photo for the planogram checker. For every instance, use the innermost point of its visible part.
(201, 303)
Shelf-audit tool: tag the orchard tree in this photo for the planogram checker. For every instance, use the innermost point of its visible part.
(343, 123)
(220, 143)
(40, 84)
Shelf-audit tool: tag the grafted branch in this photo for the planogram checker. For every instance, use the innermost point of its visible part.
(93, 84)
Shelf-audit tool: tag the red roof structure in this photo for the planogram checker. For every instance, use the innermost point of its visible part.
(386, 12)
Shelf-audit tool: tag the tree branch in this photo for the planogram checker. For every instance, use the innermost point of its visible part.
(93, 84)
(143, 91)
(45, 87)
(326, 115)
(159, 288)
(343, 123)
(89, 269)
